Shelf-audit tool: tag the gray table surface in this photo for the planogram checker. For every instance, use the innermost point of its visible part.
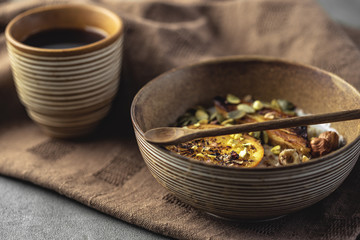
(30, 212)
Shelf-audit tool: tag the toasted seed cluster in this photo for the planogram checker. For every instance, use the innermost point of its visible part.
(231, 150)
(248, 149)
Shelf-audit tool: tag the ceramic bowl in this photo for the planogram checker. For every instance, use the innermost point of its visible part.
(254, 193)
(67, 91)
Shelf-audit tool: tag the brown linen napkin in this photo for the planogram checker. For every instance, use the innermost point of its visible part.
(105, 171)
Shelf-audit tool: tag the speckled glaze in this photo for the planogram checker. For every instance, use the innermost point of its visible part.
(66, 91)
(246, 194)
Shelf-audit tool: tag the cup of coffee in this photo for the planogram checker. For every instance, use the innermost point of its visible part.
(66, 62)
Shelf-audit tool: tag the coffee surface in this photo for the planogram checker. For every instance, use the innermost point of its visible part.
(63, 38)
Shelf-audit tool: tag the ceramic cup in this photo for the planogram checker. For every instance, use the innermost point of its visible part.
(66, 91)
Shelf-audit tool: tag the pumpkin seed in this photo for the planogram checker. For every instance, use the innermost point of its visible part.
(255, 134)
(213, 116)
(236, 114)
(247, 98)
(201, 114)
(265, 137)
(227, 121)
(204, 121)
(285, 105)
(220, 118)
(291, 113)
(232, 99)
(185, 123)
(246, 108)
(211, 110)
(274, 104)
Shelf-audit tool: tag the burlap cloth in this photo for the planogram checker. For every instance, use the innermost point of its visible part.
(106, 172)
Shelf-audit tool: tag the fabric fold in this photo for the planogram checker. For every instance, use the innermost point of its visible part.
(105, 171)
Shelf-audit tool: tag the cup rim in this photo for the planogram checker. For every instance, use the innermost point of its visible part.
(109, 39)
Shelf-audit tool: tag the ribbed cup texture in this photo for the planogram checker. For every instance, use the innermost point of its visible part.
(67, 96)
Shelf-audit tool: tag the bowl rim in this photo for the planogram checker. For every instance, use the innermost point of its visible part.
(243, 58)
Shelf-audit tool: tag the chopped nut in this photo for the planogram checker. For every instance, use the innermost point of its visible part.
(276, 150)
(304, 159)
(231, 141)
(237, 136)
(246, 144)
(257, 105)
(272, 115)
(289, 157)
(332, 138)
(320, 147)
(244, 153)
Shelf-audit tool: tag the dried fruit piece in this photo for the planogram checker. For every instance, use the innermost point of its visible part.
(332, 137)
(238, 150)
(291, 138)
(319, 147)
(288, 139)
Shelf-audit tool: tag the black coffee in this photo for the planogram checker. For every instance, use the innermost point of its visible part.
(63, 38)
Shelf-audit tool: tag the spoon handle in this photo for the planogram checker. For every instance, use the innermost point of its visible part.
(170, 135)
(282, 123)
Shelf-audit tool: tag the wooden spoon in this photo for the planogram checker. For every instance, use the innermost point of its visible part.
(175, 135)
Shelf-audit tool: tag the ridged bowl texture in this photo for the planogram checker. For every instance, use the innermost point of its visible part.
(249, 194)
